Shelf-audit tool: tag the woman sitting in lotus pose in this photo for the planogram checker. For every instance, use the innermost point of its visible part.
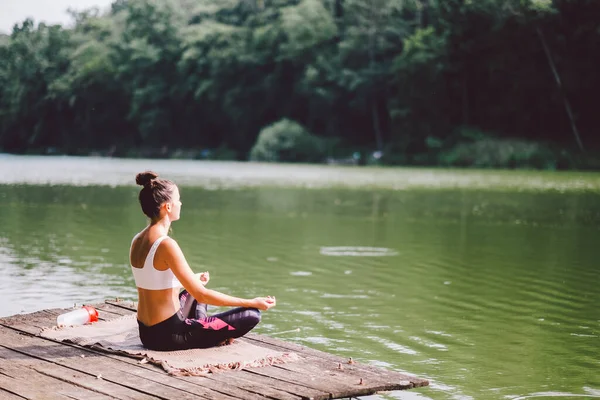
(168, 319)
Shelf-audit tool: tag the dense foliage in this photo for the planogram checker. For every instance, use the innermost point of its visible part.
(420, 81)
(287, 141)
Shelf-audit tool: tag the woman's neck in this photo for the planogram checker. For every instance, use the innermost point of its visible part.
(163, 225)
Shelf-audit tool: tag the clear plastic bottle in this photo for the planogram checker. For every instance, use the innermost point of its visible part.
(80, 316)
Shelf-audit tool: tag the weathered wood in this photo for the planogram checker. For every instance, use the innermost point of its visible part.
(128, 379)
(236, 384)
(318, 375)
(340, 374)
(126, 305)
(269, 387)
(335, 361)
(31, 383)
(108, 311)
(326, 372)
(264, 385)
(93, 376)
(245, 388)
(336, 366)
(6, 395)
(336, 386)
(279, 345)
(22, 390)
(37, 378)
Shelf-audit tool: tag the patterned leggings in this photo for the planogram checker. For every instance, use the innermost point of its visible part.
(190, 327)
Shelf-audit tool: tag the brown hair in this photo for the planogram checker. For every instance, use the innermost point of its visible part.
(154, 193)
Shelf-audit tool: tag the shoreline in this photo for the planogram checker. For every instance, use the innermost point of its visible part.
(211, 174)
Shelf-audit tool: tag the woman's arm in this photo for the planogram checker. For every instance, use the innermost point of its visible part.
(174, 259)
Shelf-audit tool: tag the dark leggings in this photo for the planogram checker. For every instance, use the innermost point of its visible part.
(190, 327)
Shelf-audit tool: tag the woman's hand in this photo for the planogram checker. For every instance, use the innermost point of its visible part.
(204, 277)
(264, 303)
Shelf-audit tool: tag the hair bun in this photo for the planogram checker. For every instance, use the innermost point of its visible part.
(145, 178)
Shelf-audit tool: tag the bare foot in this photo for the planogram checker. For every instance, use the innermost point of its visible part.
(226, 342)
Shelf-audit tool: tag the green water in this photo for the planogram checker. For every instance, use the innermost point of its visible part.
(486, 283)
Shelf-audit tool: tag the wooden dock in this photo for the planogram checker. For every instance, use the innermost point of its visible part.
(32, 367)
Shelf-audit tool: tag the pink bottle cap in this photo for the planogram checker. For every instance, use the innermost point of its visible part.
(93, 313)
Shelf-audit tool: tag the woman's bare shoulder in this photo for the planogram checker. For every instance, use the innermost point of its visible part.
(169, 242)
(169, 246)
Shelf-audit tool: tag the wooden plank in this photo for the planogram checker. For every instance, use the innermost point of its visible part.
(342, 382)
(323, 371)
(105, 312)
(12, 382)
(338, 378)
(6, 395)
(288, 346)
(23, 391)
(284, 384)
(108, 311)
(35, 322)
(316, 355)
(198, 384)
(209, 388)
(47, 318)
(343, 369)
(126, 305)
(32, 320)
(321, 376)
(264, 386)
(146, 383)
(216, 385)
(68, 375)
(267, 386)
(32, 383)
(322, 382)
(34, 374)
(237, 383)
(266, 341)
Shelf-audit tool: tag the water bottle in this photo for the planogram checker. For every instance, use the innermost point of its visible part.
(78, 317)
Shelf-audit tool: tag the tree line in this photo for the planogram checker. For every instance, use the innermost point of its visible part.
(418, 82)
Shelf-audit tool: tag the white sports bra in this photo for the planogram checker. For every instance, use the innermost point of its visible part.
(149, 277)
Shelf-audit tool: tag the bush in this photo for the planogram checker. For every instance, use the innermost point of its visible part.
(287, 141)
(500, 153)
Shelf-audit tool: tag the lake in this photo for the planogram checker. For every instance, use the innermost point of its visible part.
(484, 282)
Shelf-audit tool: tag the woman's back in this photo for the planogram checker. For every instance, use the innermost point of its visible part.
(157, 299)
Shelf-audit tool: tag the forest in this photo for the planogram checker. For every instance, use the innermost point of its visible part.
(474, 83)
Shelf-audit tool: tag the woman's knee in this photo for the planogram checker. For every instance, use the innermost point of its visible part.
(247, 319)
(254, 316)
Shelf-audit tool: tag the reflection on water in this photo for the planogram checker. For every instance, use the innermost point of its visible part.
(488, 293)
(358, 251)
(551, 395)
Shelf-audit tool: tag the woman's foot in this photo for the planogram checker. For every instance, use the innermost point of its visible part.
(226, 342)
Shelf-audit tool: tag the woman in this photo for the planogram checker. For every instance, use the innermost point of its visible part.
(168, 319)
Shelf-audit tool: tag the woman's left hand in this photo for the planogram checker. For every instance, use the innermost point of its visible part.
(204, 277)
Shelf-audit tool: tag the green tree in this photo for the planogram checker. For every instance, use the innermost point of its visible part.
(409, 77)
(94, 96)
(32, 60)
(146, 56)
